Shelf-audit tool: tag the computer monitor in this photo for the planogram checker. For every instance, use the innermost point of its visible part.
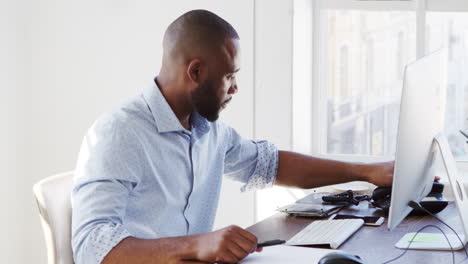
(419, 140)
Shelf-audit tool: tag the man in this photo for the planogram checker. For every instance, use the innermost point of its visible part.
(149, 173)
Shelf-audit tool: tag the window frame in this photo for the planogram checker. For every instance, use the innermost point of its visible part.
(316, 144)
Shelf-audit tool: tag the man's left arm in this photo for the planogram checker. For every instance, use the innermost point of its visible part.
(302, 171)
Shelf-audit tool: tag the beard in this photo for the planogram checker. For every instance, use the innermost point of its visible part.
(207, 104)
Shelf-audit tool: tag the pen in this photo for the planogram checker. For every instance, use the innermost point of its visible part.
(265, 244)
(271, 243)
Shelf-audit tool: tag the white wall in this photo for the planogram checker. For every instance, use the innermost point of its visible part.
(273, 89)
(13, 111)
(78, 59)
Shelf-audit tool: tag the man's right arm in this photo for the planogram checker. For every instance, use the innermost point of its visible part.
(229, 245)
(163, 250)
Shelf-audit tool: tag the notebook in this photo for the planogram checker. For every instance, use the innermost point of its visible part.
(311, 205)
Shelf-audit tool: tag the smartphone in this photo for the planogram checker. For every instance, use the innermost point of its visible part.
(368, 220)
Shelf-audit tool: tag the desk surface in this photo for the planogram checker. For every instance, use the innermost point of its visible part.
(372, 244)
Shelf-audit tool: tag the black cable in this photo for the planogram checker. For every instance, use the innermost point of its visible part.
(416, 205)
(345, 197)
(414, 236)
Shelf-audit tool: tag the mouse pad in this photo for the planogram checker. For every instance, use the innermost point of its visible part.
(287, 254)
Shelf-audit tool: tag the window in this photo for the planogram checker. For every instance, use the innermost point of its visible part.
(343, 73)
(360, 49)
(354, 116)
(400, 51)
(451, 30)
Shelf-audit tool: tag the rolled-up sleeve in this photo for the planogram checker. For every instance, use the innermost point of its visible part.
(107, 171)
(254, 163)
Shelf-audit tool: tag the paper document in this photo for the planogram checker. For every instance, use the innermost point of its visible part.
(287, 254)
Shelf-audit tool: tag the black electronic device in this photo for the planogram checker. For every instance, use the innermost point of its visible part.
(345, 198)
(434, 201)
(368, 220)
(340, 258)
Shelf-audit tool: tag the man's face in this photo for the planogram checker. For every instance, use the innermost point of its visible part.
(216, 91)
(206, 100)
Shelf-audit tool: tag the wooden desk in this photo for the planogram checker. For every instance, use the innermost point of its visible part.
(372, 244)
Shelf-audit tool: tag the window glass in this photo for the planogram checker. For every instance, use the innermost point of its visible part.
(451, 30)
(364, 53)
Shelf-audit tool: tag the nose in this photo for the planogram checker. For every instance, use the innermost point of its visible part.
(233, 89)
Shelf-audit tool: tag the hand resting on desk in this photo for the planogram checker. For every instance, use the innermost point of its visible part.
(226, 245)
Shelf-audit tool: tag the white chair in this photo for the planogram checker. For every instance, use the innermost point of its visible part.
(53, 198)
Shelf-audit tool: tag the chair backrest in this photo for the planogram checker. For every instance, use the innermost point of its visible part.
(53, 198)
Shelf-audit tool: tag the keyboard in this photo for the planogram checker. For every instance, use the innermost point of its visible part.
(326, 232)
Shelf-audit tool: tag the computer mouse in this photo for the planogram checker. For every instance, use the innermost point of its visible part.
(340, 258)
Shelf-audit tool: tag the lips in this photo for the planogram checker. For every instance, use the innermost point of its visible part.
(223, 105)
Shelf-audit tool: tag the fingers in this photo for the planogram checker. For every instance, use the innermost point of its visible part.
(246, 234)
(242, 242)
(246, 240)
(237, 250)
(228, 257)
(230, 245)
(382, 173)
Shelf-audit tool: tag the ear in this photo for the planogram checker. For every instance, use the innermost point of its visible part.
(194, 71)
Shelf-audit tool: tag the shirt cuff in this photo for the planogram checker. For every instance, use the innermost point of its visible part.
(266, 168)
(101, 241)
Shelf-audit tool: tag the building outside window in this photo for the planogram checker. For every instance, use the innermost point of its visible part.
(362, 48)
(359, 50)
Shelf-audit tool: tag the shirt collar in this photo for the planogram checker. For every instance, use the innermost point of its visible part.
(164, 117)
(199, 122)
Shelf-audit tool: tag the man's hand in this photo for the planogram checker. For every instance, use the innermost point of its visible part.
(230, 245)
(380, 174)
(227, 245)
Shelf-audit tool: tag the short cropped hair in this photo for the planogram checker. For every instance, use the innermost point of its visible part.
(198, 28)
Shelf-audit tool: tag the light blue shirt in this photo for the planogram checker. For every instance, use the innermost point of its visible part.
(141, 174)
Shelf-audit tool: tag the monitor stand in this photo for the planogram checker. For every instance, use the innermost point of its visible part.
(437, 241)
